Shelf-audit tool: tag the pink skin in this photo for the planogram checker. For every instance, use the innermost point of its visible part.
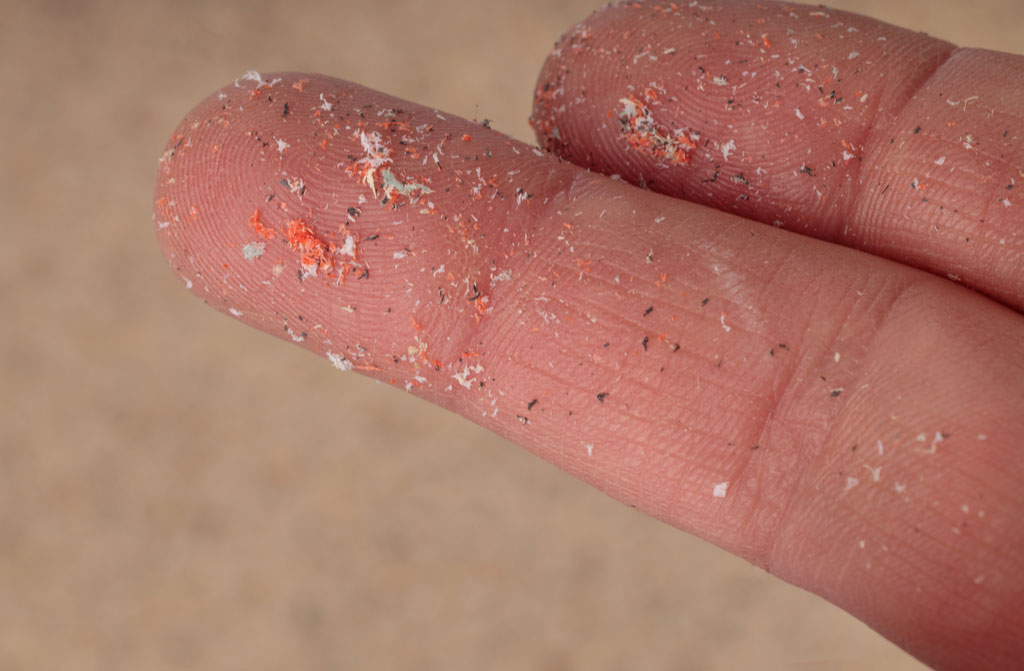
(841, 127)
(868, 429)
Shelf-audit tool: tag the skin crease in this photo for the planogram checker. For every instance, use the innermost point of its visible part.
(860, 440)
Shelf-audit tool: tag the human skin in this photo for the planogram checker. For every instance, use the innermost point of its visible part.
(817, 396)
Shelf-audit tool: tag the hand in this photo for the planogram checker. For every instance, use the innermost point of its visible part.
(836, 398)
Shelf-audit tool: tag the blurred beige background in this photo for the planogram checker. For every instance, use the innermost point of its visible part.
(177, 492)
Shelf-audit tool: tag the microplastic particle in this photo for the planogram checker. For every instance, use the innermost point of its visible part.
(339, 361)
(254, 250)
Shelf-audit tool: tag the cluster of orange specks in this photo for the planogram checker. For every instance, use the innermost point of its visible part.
(641, 132)
(258, 228)
(395, 125)
(482, 182)
(316, 254)
(466, 230)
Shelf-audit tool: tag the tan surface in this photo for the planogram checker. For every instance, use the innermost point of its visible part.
(179, 492)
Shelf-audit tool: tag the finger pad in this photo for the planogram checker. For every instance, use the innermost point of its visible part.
(347, 221)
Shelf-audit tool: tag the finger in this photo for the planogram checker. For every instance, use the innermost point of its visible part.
(684, 369)
(826, 123)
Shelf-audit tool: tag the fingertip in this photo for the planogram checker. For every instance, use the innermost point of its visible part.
(368, 229)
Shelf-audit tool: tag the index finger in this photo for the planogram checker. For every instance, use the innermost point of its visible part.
(827, 123)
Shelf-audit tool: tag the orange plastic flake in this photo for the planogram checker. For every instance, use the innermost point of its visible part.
(258, 228)
(314, 251)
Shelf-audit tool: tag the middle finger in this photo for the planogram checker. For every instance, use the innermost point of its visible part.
(826, 123)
